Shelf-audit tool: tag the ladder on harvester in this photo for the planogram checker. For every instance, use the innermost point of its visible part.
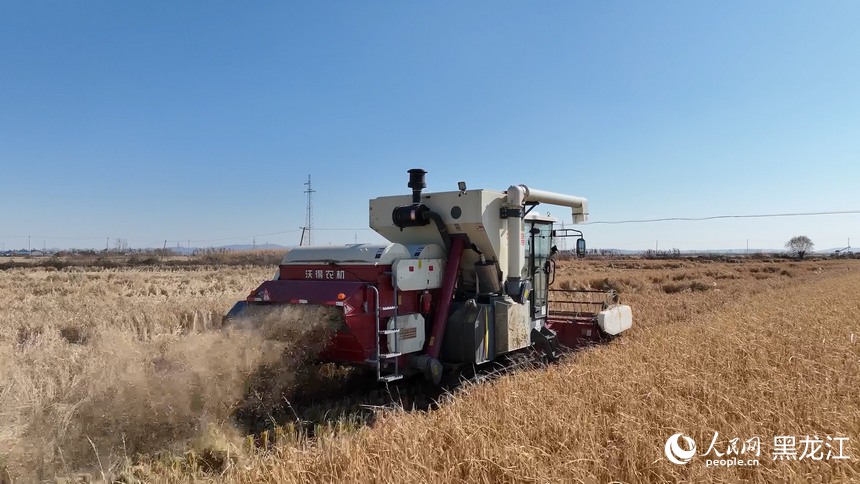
(390, 360)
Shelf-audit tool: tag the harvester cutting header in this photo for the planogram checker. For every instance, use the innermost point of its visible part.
(464, 279)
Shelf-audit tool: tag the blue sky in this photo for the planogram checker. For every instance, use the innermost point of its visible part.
(202, 120)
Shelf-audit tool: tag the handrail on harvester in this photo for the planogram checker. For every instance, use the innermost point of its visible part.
(376, 319)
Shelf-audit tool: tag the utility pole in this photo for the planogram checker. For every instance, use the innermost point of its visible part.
(748, 246)
(309, 213)
(28, 245)
(355, 237)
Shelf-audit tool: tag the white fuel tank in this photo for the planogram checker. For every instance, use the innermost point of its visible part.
(615, 319)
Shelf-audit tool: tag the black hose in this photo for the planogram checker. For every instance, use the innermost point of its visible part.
(440, 225)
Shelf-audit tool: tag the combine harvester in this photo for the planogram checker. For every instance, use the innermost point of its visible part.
(464, 280)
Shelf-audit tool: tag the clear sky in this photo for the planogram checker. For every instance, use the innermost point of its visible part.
(202, 120)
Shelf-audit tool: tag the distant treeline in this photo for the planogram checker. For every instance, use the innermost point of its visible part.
(150, 257)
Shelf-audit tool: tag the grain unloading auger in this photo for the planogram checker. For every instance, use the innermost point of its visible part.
(464, 280)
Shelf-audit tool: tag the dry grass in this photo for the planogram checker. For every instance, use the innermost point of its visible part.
(99, 366)
(136, 362)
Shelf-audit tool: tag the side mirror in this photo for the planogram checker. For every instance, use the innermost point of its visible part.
(580, 247)
(553, 251)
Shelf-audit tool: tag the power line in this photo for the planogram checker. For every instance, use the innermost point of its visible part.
(359, 228)
(217, 239)
(603, 222)
(238, 237)
(716, 217)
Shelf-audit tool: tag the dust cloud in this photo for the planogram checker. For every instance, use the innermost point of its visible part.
(122, 396)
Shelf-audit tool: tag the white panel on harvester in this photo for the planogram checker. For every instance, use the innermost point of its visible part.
(410, 339)
(418, 274)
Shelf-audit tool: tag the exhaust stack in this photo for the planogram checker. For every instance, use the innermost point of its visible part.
(518, 195)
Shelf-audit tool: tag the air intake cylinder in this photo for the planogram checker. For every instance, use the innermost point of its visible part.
(414, 215)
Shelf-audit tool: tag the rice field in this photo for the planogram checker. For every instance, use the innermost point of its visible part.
(126, 374)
